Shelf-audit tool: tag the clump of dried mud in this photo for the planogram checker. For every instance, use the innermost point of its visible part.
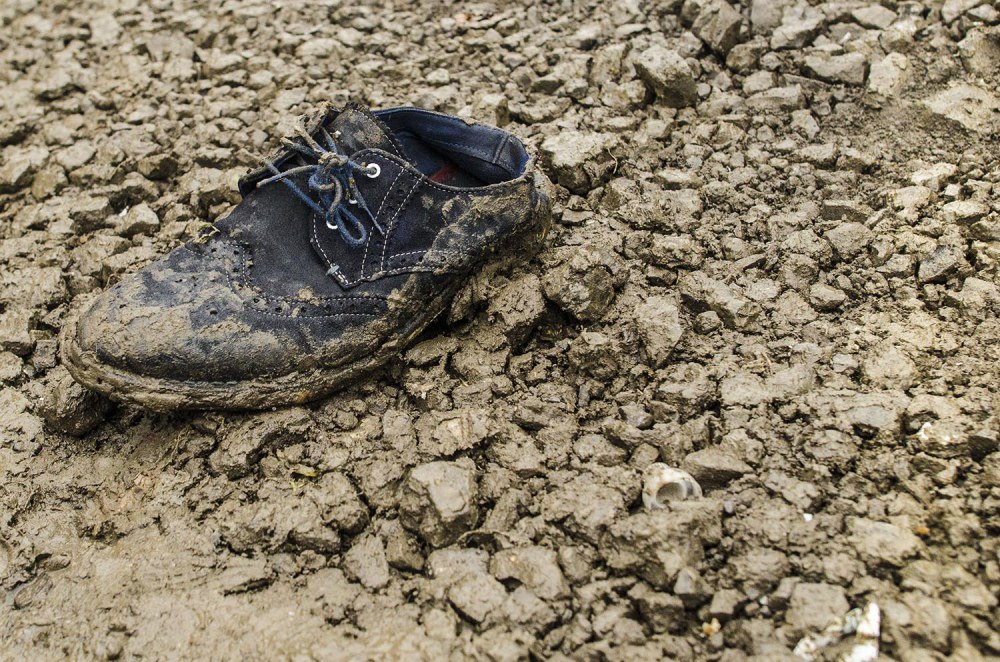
(774, 266)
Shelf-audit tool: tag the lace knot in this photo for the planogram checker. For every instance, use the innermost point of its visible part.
(331, 182)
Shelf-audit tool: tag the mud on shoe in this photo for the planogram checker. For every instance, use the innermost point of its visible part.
(346, 244)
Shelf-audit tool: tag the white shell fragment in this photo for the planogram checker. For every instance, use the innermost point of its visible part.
(662, 484)
(864, 624)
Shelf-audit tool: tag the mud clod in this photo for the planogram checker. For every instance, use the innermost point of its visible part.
(438, 502)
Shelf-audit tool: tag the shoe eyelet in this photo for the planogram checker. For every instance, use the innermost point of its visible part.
(331, 225)
(373, 170)
(352, 201)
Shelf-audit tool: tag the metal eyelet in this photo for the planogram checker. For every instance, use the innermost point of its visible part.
(331, 226)
(352, 201)
(373, 170)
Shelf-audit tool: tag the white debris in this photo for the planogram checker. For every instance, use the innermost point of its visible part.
(662, 484)
(864, 624)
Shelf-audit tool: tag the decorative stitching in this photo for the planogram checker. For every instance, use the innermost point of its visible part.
(392, 224)
(364, 258)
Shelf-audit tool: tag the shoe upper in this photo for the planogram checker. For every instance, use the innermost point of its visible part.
(341, 242)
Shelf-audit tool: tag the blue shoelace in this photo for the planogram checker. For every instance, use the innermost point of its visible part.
(332, 184)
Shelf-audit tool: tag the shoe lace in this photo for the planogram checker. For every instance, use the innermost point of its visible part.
(332, 186)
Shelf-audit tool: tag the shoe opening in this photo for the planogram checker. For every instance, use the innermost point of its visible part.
(450, 151)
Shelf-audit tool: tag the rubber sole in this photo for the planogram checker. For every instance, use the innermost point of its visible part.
(161, 394)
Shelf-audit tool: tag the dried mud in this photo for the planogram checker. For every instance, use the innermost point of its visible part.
(773, 265)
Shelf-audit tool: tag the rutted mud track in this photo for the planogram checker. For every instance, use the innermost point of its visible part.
(774, 265)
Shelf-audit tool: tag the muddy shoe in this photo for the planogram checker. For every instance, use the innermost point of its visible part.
(345, 246)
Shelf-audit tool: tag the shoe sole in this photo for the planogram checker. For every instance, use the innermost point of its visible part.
(162, 394)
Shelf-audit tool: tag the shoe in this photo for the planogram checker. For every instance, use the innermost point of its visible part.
(345, 246)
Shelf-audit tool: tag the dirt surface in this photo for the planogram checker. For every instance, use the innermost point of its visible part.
(774, 266)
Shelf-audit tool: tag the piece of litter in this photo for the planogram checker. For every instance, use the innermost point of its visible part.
(662, 484)
(864, 624)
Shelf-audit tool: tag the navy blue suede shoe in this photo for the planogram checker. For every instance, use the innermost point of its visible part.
(347, 243)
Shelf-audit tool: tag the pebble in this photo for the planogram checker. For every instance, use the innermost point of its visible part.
(16, 325)
(659, 325)
(668, 76)
(968, 106)
(889, 76)
(848, 68)
(718, 25)
(715, 467)
(579, 160)
(882, 542)
(139, 220)
(19, 165)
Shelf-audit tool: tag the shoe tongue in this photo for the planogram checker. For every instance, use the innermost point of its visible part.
(359, 129)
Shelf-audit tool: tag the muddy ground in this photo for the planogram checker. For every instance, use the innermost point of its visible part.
(774, 265)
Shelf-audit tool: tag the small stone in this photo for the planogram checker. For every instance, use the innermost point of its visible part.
(849, 239)
(691, 588)
(890, 75)
(777, 98)
(813, 607)
(662, 611)
(90, 213)
(438, 501)
(883, 543)
(139, 220)
(58, 83)
(76, 155)
(366, 562)
(968, 106)
(15, 330)
(935, 176)
(980, 50)
(636, 416)
(11, 367)
(660, 328)
(477, 596)
(718, 25)
(943, 263)
(825, 297)
(725, 603)
(673, 179)
(821, 156)
(848, 68)
(798, 28)
(535, 567)
(715, 467)
(965, 212)
(668, 75)
(874, 17)
(579, 160)
(402, 551)
(68, 407)
(701, 292)
(18, 165)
